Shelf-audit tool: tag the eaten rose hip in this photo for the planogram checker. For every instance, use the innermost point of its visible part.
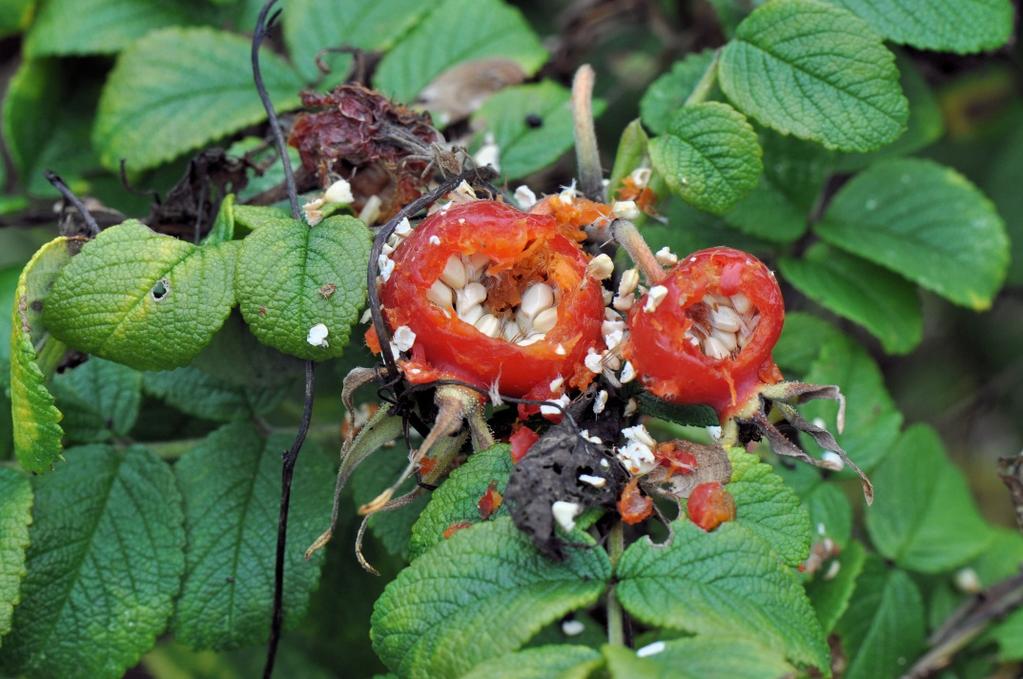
(710, 505)
(494, 295)
(708, 339)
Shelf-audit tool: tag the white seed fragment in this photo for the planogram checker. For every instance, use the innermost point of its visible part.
(600, 267)
(536, 298)
(640, 434)
(488, 325)
(525, 197)
(371, 210)
(404, 228)
(600, 402)
(557, 383)
(725, 318)
(532, 339)
(968, 581)
(713, 348)
(572, 628)
(641, 177)
(511, 331)
(595, 481)
(318, 335)
(651, 649)
(560, 350)
(475, 265)
(630, 408)
(665, 257)
(628, 283)
(741, 303)
(469, 296)
(628, 373)
(607, 295)
(605, 464)
(562, 400)
(488, 154)
(454, 273)
(404, 337)
(386, 266)
(434, 239)
(568, 194)
(655, 297)
(593, 361)
(565, 513)
(367, 316)
(727, 339)
(545, 320)
(832, 460)
(614, 337)
(714, 431)
(833, 569)
(472, 314)
(624, 302)
(626, 209)
(440, 294)
(637, 458)
(339, 192)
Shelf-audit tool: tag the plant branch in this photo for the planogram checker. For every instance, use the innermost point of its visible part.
(70, 197)
(263, 26)
(1010, 470)
(615, 615)
(706, 82)
(287, 473)
(627, 235)
(591, 176)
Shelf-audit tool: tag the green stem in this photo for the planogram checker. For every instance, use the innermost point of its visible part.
(615, 615)
(706, 83)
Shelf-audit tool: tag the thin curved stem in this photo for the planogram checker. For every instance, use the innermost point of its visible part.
(70, 197)
(591, 175)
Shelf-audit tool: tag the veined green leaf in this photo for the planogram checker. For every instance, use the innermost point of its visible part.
(884, 303)
(669, 92)
(454, 32)
(232, 491)
(831, 594)
(312, 25)
(768, 508)
(456, 499)
(103, 567)
(562, 661)
(697, 657)
(925, 222)
(815, 71)
(924, 518)
(36, 420)
(476, 596)
(961, 26)
(801, 340)
(720, 583)
(154, 109)
(72, 27)
(871, 420)
(631, 153)
(284, 278)
(524, 149)
(766, 212)
(15, 517)
(709, 155)
(141, 298)
(830, 514)
(883, 627)
(99, 399)
(198, 393)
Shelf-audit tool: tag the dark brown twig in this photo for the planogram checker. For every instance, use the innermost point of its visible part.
(70, 197)
(1010, 470)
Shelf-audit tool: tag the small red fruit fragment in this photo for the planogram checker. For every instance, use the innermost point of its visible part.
(710, 505)
(633, 506)
(455, 527)
(490, 501)
(670, 455)
(522, 439)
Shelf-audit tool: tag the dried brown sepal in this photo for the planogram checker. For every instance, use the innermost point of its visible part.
(459, 91)
(355, 379)
(396, 503)
(673, 480)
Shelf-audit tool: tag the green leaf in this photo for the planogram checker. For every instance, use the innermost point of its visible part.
(831, 596)
(882, 302)
(8, 288)
(695, 415)
(312, 25)
(883, 628)
(15, 517)
(525, 149)
(98, 399)
(830, 514)
(669, 92)
(457, 31)
(198, 393)
(223, 226)
(631, 154)
(768, 507)
(141, 298)
(476, 596)
(1002, 185)
(817, 72)
(15, 16)
(796, 168)
(36, 420)
(1003, 558)
(253, 217)
(925, 222)
(871, 421)
(232, 491)
(47, 121)
(961, 26)
(562, 661)
(926, 121)
(375, 474)
(73, 27)
(456, 499)
(698, 657)
(801, 340)
(103, 567)
(767, 213)
(710, 156)
(281, 271)
(725, 582)
(923, 517)
(154, 109)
